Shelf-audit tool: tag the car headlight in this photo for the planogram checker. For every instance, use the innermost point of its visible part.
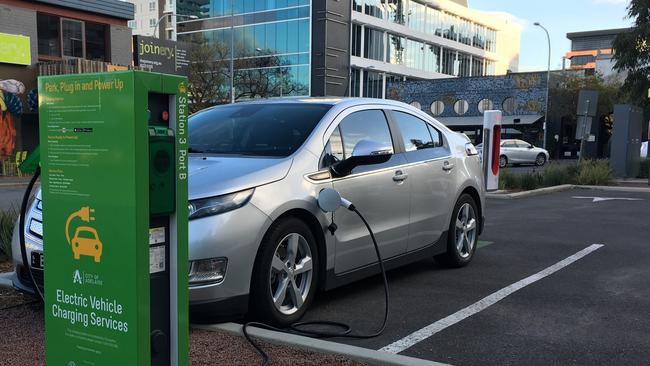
(207, 271)
(219, 204)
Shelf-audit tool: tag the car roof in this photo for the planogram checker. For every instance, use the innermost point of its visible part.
(344, 102)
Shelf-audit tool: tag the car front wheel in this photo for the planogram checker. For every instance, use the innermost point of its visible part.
(462, 236)
(540, 160)
(285, 273)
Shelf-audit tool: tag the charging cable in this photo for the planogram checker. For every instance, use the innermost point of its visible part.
(21, 232)
(346, 330)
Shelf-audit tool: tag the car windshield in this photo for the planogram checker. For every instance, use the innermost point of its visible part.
(272, 129)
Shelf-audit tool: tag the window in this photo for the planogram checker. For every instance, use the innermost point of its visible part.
(373, 46)
(416, 104)
(333, 152)
(152, 22)
(415, 133)
(356, 40)
(373, 84)
(509, 105)
(365, 125)
(508, 144)
(437, 107)
(49, 39)
(73, 43)
(461, 106)
(436, 136)
(484, 105)
(152, 6)
(95, 42)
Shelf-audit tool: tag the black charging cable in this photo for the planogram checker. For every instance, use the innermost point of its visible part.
(346, 330)
(21, 233)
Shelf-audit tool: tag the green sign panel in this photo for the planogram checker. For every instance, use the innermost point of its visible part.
(94, 147)
(14, 49)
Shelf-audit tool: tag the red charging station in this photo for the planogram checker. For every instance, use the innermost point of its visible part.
(491, 149)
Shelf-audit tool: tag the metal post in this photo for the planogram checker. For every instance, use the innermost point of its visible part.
(232, 53)
(548, 80)
(585, 133)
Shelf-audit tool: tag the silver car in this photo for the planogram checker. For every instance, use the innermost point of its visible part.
(521, 152)
(259, 242)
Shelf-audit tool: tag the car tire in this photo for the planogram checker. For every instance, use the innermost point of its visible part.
(540, 160)
(464, 225)
(279, 294)
(503, 161)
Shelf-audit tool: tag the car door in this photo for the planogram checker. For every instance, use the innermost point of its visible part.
(509, 149)
(380, 192)
(526, 153)
(431, 173)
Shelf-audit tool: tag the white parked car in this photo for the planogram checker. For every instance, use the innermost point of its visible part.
(519, 152)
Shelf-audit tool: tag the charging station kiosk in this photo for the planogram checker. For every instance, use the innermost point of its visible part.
(491, 149)
(114, 186)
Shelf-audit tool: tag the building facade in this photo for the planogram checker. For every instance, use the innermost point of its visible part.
(459, 103)
(355, 47)
(593, 51)
(44, 37)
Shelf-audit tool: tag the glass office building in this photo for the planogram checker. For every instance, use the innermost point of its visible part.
(271, 41)
(350, 47)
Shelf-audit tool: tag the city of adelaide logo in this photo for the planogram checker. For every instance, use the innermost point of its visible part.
(85, 241)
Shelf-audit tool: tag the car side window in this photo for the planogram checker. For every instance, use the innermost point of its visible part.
(415, 133)
(436, 136)
(509, 144)
(363, 125)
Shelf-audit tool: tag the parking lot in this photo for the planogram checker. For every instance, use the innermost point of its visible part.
(585, 304)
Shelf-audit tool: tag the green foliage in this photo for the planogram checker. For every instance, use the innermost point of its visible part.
(644, 168)
(7, 221)
(588, 172)
(529, 181)
(632, 53)
(556, 174)
(594, 172)
(508, 180)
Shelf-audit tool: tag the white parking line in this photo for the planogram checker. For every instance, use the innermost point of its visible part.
(431, 329)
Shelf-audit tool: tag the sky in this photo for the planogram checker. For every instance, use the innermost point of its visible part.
(559, 17)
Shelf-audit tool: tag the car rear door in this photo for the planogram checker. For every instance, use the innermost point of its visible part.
(509, 149)
(380, 192)
(431, 173)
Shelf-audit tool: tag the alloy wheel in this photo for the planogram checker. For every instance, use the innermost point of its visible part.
(465, 230)
(291, 273)
(541, 159)
(502, 161)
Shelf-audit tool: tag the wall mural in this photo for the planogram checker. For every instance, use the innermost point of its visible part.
(10, 109)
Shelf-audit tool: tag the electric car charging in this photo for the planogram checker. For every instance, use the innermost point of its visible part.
(263, 237)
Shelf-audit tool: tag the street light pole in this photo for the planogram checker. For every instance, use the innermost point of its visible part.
(171, 15)
(232, 53)
(548, 78)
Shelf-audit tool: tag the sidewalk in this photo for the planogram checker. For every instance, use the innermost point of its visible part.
(632, 182)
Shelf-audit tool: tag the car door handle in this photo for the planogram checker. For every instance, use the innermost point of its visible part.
(400, 176)
(447, 166)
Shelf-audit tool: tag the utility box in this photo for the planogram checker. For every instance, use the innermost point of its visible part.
(114, 186)
(626, 141)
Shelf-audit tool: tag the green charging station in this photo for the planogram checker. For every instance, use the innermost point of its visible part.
(114, 185)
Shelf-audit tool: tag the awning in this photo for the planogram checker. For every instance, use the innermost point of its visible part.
(524, 119)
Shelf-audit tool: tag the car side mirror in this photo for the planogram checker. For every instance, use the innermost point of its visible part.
(365, 152)
(530, 146)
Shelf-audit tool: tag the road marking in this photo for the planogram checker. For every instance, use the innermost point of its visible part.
(600, 199)
(426, 332)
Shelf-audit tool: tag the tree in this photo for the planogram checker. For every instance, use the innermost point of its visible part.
(632, 54)
(265, 77)
(209, 77)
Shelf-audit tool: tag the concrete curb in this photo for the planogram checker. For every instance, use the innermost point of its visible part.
(534, 192)
(617, 189)
(564, 187)
(13, 184)
(5, 279)
(317, 345)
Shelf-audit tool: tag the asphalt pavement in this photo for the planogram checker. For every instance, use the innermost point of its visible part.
(593, 310)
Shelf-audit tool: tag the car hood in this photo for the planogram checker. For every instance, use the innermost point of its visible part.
(216, 175)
